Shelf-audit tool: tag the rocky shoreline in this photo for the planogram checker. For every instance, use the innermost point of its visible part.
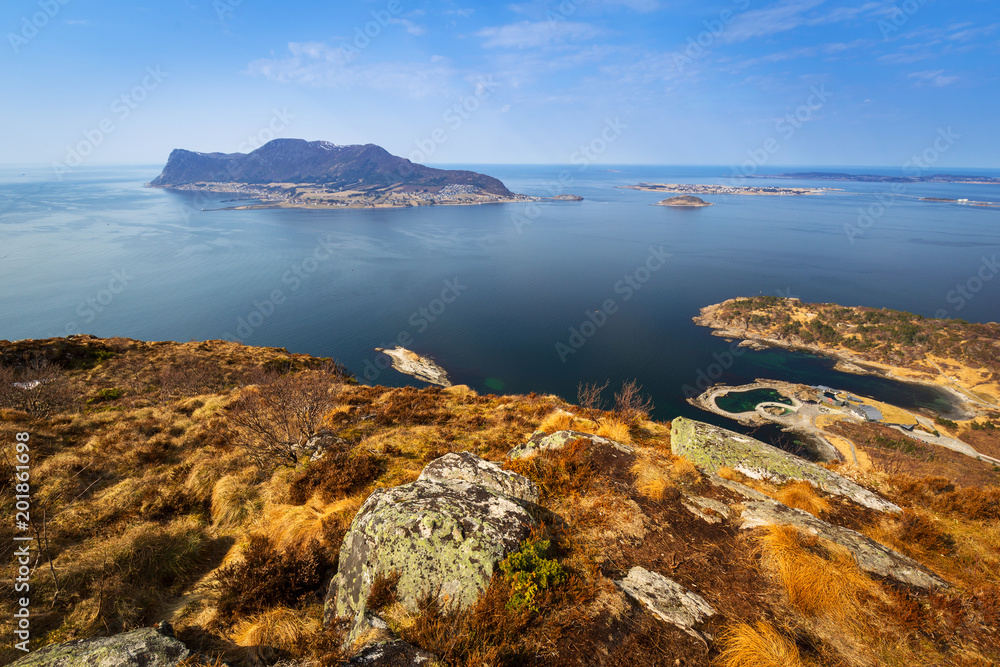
(847, 362)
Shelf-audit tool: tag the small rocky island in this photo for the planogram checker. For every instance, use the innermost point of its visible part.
(684, 200)
(410, 363)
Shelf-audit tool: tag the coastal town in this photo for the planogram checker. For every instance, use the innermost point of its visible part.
(710, 189)
(302, 195)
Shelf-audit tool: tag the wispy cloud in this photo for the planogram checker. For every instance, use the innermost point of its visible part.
(936, 78)
(534, 34)
(321, 65)
(793, 14)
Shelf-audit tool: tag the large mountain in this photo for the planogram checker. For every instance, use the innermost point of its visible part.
(319, 162)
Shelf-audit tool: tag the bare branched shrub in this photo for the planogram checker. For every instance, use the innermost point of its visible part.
(274, 420)
(631, 404)
(589, 395)
(38, 388)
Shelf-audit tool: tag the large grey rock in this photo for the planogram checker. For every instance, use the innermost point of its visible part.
(711, 447)
(667, 599)
(868, 554)
(145, 647)
(542, 441)
(394, 653)
(443, 538)
(467, 467)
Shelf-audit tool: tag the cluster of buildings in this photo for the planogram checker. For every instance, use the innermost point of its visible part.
(847, 403)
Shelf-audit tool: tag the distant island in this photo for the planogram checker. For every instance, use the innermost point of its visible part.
(873, 178)
(319, 174)
(684, 200)
(709, 189)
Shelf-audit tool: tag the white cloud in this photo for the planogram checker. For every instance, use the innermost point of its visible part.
(792, 14)
(411, 27)
(321, 65)
(936, 78)
(534, 34)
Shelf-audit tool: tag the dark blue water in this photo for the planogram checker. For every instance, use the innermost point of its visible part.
(503, 288)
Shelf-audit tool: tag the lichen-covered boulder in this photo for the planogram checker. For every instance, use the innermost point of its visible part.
(443, 538)
(870, 556)
(145, 647)
(667, 599)
(711, 448)
(541, 441)
(467, 467)
(394, 653)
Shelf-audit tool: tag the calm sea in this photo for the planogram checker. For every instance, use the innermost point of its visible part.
(508, 298)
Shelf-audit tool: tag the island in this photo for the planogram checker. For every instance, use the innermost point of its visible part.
(410, 363)
(566, 198)
(684, 200)
(296, 173)
(709, 189)
(875, 178)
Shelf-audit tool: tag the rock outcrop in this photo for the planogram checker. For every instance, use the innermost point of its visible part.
(409, 362)
(868, 554)
(711, 448)
(443, 537)
(146, 647)
(542, 441)
(467, 467)
(395, 653)
(667, 599)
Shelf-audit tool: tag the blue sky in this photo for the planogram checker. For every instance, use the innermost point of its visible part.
(808, 82)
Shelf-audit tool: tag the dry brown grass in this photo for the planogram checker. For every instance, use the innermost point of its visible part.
(819, 580)
(276, 631)
(802, 495)
(236, 500)
(757, 645)
(614, 429)
(650, 480)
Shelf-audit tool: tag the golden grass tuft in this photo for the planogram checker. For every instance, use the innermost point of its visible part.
(236, 500)
(758, 645)
(650, 480)
(830, 584)
(801, 495)
(685, 470)
(281, 628)
(725, 472)
(615, 430)
(291, 526)
(560, 420)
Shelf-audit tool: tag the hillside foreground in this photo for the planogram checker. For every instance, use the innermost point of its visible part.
(212, 486)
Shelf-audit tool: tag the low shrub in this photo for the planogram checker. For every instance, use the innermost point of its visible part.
(530, 571)
(336, 475)
(266, 578)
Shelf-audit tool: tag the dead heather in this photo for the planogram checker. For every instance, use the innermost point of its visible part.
(152, 501)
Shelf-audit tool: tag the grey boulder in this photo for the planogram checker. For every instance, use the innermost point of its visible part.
(467, 467)
(146, 647)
